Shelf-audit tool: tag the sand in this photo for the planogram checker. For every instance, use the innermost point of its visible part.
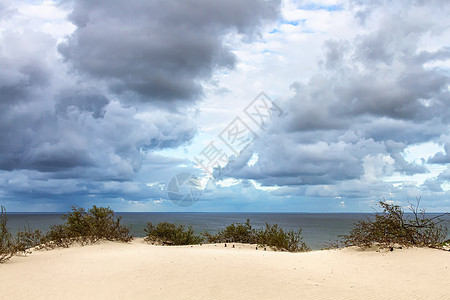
(140, 271)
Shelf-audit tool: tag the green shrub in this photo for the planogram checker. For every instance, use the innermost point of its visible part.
(77, 225)
(271, 235)
(96, 224)
(28, 238)
(57, 236)
(6, 243)
(446, 243)
(171, 234)
(84, 227)
(392, 227)
(280, 239)
(234, 233)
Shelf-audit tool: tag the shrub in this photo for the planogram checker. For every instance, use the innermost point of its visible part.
(6, 244)
(234, 233)
(171, 234)
(98, 223)
(76, 225)
(28, 238)
(280, 239)
(271, 235)
(392, 227)
(57, 236)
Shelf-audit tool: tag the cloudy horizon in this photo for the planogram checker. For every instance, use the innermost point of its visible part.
(104, 102)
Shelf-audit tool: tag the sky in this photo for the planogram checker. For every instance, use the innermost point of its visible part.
(234, 106)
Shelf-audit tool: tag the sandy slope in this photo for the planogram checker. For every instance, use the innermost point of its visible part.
(141, 271)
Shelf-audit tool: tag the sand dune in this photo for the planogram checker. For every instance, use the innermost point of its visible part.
(140, 271)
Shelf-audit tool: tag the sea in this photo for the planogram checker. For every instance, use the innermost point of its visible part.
(318, 229)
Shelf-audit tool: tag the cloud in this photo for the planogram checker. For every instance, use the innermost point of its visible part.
(91, 101)
(103, 136)
(59, 130)
(159, 50)
(350, 123)
(97, 109)
(72, 109)
(23, 67)
(5, 11)
(441, 157)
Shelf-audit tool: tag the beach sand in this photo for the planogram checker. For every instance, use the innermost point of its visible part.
(140, 271)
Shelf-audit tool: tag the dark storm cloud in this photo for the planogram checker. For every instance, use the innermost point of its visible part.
(50, 155)
(159, 50)
(59, 130)
(59, 125)
(88, 101)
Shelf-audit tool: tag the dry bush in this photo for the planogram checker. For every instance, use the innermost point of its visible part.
(392, 227)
